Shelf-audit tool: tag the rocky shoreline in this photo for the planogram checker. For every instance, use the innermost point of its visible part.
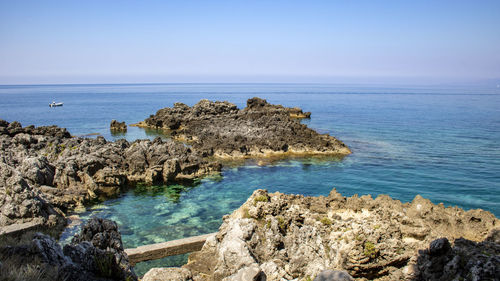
(275, 236)
(292, 237)
(45, 173)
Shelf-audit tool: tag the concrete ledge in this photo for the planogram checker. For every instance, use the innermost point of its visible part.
(16, 229)
(165, 249)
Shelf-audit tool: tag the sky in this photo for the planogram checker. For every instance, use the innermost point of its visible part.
(249, 41)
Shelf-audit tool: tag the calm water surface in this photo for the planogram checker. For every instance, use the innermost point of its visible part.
(442, 143)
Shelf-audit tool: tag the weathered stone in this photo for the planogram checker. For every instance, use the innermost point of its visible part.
(117, 126)
(465, 260)
(44, 170)
(289, 237)
(101, 258)
(98, 249)
(171, 274)
(248, 273)
(261, 129)
(333, 275)
(439, 247)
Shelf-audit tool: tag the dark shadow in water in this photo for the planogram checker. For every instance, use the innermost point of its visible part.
(277, 160)
(172, 192)
(156, 133)
(118, 134)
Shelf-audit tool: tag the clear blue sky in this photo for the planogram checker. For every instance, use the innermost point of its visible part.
(248, 41)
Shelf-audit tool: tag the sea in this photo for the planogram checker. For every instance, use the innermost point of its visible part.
(442, 142)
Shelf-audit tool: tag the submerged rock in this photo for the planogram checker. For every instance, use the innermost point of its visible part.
(293, 237)
(261, 129)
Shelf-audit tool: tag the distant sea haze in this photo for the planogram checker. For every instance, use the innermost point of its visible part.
(441, 143)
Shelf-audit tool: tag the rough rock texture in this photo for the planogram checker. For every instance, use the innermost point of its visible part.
(21, 203)
(98, 249)
(171, 274)
(117, 126)
(333, 275)
(45, 168)
(261, 129)
(96, 254)
(292, 236)
(466, 260)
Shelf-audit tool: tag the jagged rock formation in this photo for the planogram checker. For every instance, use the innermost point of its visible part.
(116, 126)
(96, 254)
(45, 171)
(292, 236)
(261, 129)
(466, 260)
(20, 202)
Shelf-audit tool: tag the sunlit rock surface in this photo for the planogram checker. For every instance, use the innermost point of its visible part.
(292, 236)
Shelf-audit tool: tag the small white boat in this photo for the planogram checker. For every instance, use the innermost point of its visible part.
(54, 104)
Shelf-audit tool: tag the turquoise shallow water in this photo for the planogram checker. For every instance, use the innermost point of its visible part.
(442, 143)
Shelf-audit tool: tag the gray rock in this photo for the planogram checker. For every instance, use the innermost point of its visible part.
(465, 260)
(295, 237)
(260, 129)
(248, 273)
(439, 246)
(96, 254)
(333, 275)
(171, 274)
(117, 126)
(45, 172)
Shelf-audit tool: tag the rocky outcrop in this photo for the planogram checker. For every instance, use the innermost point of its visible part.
(465, 260)
(21, 203)
(96, 254)
(275, 236)
(45, 171)
(116, 126)
(261, 129)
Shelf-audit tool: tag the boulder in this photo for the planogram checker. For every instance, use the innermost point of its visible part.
(117, 126)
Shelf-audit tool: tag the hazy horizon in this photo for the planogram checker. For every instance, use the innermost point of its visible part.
(366, 42)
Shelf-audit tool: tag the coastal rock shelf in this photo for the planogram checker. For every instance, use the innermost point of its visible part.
(44, 172)
(275, 236)
(261, 129)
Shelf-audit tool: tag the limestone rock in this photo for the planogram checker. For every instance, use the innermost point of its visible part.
(117, 126)
(333, 275)
(44, 170)
(21, 203)
(261, 129)
(293, 237)
(171, 274)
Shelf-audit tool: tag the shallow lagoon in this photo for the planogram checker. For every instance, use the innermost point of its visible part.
(442, 143)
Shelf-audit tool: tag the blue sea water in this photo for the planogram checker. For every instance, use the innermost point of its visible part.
(442, 143)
